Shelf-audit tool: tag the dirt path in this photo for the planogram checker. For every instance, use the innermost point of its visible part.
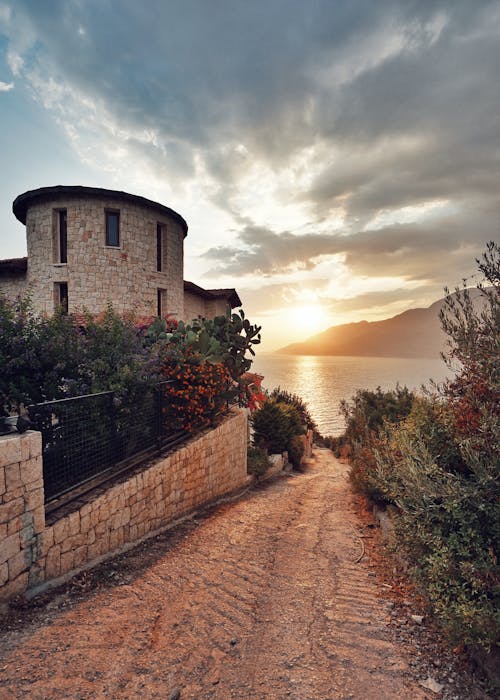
(268, 597)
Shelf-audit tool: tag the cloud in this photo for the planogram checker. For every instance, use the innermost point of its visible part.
(322, 132)
(5, 87)
(412, 252)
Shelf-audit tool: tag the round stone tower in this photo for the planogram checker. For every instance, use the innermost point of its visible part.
(89, 246)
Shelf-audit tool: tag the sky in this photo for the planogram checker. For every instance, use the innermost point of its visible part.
(336, 160)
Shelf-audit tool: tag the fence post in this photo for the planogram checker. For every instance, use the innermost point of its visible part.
(159, 415)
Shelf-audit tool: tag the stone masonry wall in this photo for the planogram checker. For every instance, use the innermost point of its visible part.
(12, 286)
(96, 273)
(206, 468)
(22, 513)
(195, 307)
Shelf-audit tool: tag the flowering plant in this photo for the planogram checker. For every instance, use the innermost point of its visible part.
(198, 391)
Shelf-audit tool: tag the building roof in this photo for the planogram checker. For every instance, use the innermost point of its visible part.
(16, 266)
(211, 294)
(23, 201)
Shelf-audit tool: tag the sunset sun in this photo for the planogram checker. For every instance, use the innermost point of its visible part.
(310, 318)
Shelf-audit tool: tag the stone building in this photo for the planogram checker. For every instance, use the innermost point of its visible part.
(89, 246)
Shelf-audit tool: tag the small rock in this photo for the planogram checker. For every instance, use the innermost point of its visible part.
(233, 642)
(417, 618)
(175, 694)
(432, 685)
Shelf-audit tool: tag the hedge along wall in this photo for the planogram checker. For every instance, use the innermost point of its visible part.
(33, 555)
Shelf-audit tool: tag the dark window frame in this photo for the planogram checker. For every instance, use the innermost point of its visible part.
(160, 298)
(159, 247)
(108, 213)
(62, 296)
(63, 235)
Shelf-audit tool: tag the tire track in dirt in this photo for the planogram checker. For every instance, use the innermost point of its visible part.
(263, 599)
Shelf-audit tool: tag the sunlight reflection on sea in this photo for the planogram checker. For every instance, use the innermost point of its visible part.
(324, 381)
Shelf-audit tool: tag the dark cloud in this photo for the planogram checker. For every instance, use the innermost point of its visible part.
(442, 254)
(266, 252)
(397, 102)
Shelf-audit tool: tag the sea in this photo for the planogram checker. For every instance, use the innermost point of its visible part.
(323, 382)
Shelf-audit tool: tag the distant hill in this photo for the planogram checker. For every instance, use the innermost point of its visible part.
(413, 333)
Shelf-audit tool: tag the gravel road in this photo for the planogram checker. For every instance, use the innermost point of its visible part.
(270, 596)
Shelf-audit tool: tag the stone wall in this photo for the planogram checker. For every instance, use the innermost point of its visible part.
(22, 513)
(34, 554)
(196, 306)
(95, 273)
(13, 285)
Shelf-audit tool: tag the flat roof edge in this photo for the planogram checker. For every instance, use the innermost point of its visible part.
(24, 200)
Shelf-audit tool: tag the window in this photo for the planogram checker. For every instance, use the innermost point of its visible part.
(113, 229)
(159, 302)
(63, 236)
(61, 295)
(159, 247)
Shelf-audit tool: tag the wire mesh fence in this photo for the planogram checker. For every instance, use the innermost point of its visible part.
(95, 435)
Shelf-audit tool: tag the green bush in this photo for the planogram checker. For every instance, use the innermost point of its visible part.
(296, 451)
(447, 528)
(282, 396)
(257, 461)
(440, 467)
(274, 425)
(366, 416)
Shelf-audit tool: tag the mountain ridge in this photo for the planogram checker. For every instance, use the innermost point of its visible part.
(411, 333)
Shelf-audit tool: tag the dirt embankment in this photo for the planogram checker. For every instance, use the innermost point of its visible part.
(273, 596)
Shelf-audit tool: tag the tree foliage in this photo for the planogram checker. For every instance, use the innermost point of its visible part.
(438, 464)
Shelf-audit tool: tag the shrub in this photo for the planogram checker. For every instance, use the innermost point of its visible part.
(257, 461)
(440, 467)
(282, 396)
(446, 526)
(198, 391)
(296, 451)
(366, 415)
(274, 425)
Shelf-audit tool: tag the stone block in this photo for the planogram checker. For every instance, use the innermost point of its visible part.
(38, 519)
(73, 542)
(61, 530)
(34, 499)
(13, 494)
(53, 562)
(93, 551)
(35, 485)
(74, 523)
(15, 525)
(80, 556)
(34, 439)
(4, 573)
(26, 536)
(67, 561)
(31, 470)
(13, 477)
(18, 563)
(10, 450)
(3, 486)
(85, 510)
(85, 522)
(101, 529)
(45, 541)
(16, 587)
(10, 547)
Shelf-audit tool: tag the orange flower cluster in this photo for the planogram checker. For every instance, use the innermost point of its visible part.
(196, 396)
(251, 392)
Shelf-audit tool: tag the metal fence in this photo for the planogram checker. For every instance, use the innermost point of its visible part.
(88, 439)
